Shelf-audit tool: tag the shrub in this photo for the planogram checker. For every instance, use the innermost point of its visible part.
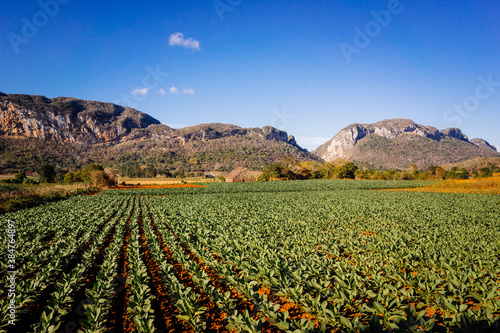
(20, 177)
(406, 176)
(29, 181)
(47, 173)
(485, 172)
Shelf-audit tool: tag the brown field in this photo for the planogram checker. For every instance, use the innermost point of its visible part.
(121, 187)
(164, 181)
(176, 181)
(478, 185)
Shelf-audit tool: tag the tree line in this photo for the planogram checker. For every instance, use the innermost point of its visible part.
(92, 174)
(289, 168)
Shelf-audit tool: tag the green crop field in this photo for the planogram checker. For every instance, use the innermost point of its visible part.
(298, 256)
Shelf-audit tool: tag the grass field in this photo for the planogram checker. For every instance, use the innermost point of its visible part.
(297, 256)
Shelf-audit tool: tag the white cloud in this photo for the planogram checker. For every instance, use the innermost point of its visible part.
(178, 39)
(311, 142)
(140, 91)
(175, 90)
(161, 92)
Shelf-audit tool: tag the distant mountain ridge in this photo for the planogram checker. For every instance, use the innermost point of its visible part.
(71, 133)
(36, 128)
(396, 143)
(76, 120)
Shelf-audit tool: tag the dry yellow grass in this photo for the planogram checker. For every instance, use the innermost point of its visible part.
(177, 181)
(120, 187)
(478, 185)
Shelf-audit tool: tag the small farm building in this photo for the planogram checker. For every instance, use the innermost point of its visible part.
(240, 175)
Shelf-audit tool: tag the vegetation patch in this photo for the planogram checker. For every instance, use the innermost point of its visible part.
(296, 256)
(476, 185)
(15, 197)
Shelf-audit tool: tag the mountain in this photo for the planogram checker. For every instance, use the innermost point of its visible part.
(397, 143)
(71, 133)
(68, 119)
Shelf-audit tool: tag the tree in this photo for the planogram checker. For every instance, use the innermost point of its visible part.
(365, 174)
(485, 172)
(47, 173)
(59, 178)
(100, 178)
(414, 170)
(272, 171)
(150, 172)
(440, 173)
(20, 177)
(328, 170)
(70, 178)
(346, 171)
(85, 174)
(166, 173)
(316, 174)
(406, 176)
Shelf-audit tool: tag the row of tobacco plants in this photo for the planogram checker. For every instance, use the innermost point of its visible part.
(316, 256)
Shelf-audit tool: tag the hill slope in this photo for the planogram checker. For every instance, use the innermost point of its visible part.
(70, 133)
(397, 143)
(477, 163)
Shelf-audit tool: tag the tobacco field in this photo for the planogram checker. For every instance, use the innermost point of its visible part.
(297, 256)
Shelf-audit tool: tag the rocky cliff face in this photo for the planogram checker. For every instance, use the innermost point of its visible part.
(80, 121)
(348, 142)
(67, 119)
(215, 131)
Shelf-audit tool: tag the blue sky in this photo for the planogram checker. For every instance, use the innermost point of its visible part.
(310, 68)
